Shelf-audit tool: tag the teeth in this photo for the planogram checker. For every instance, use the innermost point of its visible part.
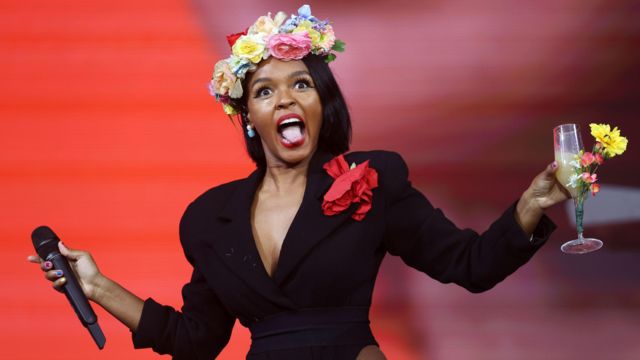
(290, 121)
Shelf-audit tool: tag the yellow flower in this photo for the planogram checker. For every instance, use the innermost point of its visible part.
(249, 47)
(613, 143)
(307, 26)
(599, 131)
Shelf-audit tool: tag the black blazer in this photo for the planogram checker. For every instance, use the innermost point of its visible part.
(325, 261)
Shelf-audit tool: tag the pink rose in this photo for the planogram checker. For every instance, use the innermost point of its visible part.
(289, 46)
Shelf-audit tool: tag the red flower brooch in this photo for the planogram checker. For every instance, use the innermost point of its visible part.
(352, 185)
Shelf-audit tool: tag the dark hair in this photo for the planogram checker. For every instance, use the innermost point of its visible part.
(335, 133)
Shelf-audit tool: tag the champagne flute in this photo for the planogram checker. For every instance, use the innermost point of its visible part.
(567, 144)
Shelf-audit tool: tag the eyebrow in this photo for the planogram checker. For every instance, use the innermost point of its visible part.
(267, 79)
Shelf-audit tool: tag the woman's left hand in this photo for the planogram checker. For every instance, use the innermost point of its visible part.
(544, 191)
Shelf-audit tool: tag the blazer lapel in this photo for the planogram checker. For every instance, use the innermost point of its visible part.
(310, 225)
(235, 245)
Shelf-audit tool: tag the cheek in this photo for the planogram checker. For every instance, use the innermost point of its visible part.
(314, 111)
(318, 118)
(258, 110)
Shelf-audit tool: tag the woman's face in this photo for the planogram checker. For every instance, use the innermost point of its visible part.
(285, 109)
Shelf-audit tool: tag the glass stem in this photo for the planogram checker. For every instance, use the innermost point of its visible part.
(579, 204)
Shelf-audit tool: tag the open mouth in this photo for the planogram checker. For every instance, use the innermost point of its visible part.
(291, 130)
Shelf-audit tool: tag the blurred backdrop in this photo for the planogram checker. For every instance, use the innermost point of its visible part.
(107, 132)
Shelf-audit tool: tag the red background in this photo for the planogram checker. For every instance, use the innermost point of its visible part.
(107, 132)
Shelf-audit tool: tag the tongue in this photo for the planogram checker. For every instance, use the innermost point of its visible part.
(292, 134)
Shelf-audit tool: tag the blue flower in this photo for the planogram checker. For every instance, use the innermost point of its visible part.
(305, 13)
(290, 24)
(320, 25)
(240, 66)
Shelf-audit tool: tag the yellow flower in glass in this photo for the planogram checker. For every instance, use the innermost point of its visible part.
(611, 141)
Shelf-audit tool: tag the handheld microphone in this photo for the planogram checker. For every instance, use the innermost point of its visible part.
(45, 241)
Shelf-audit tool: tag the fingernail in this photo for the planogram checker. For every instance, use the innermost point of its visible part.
(59, 273)
(554, 164)
(48, 264)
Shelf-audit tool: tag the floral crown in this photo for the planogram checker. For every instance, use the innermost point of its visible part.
(282, 38)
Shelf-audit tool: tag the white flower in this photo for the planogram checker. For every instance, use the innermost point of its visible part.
(575, 164)
(573, 181)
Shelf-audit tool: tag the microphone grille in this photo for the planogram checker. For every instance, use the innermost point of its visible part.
(45, 241)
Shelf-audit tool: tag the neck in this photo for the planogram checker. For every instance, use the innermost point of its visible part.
(281, 177)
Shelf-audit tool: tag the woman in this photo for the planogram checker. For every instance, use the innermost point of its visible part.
(293, 250)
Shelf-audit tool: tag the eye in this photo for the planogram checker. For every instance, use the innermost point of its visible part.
(263, 91)
(301, 84)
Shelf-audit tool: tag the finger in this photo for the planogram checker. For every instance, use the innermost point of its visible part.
(46, 265)
(58, 284)
(53, 275)
(70, 253)
(548, 174)
(34, 259)
(551, 168)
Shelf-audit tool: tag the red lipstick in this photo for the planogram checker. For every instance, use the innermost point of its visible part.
(291, 129)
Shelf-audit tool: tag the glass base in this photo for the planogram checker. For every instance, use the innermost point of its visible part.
(581, 246)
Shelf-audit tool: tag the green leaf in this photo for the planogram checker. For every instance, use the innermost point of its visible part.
(338, 46)
(329, 58)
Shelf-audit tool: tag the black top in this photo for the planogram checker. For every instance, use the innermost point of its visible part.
(315, 306)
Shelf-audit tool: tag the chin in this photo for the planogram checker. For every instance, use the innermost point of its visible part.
(298, 155)
(295, 155)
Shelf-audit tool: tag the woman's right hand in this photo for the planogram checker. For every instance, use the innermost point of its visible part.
(118, 301)
(81, 263)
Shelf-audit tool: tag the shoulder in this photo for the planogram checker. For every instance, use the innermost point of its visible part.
(205, 207)
(383, 161)
(216, 194)
(392, 170)
(382, 158)
(213, 198)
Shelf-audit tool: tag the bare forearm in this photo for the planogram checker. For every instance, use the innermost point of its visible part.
(119, 302)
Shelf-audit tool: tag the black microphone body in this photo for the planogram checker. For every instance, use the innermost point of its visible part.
(46, 242)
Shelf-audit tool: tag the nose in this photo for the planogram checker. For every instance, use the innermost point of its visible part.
(285, 101)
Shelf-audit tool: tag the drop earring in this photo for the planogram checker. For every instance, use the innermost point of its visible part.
(250, 132)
